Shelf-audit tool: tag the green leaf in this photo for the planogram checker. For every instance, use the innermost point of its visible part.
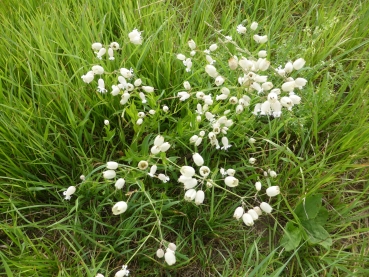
(322, 216)
(292, 237)
(309, 207)
(317, 234)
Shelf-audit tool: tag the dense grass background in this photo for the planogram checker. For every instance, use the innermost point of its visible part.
(52, 131)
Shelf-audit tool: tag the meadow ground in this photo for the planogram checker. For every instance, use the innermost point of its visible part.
(52, 131)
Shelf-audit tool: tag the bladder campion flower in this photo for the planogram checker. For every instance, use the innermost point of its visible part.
(119, 208)
(68, 193)
(135, 37)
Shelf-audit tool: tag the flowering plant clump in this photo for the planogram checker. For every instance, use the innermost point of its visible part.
(244, 85)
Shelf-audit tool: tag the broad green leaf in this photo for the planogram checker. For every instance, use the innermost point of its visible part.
(317, 234)
(309, 207)
(292, 237)
(322, 216)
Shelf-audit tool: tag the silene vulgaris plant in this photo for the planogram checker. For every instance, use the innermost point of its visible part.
(235, 85)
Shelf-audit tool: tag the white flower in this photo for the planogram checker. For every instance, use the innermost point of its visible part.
(114, 45)
(211, 71)
(164, 147)
(273, 191)
(231, 181)
(155, 150)
(299, 63)
(252, 140)
(68, 193)
(262, 54)
(238, 212)
(225, 143)
(160, 253)
(267, 86)
(162, 177)
(198, 141)
(112, 165)
(288, 86)
(152, 112)
(192, 44)
(219, 81)
(96, 46)
(204, 171)
(82, 177)
(97, 70)
(106, 122)
(123, 272)
(159, 140)
(213, 47)
(186, 85)
(193, 53)
(165, 108)
(300, 82)
(272, 173)
(252, 160)
(287, 102)
(228, 38)
(254, 26)
(258, 186)
(266, 207)
(199, 198)
(172, 246)
(115, 90)
(99, 275)
(190, 195)
(169, 257)
(101, 86)
(120, 183)
(109, 174)
(148, 89)
(137, 82)
(231, 171)
(89, 77)
(233, 63)
(258, 210)
(184, 95)
(294, 98)
(101, 53)
(260, 39)
(253, 214)
(187, 171)
(247, 219)
(188, 183)
(143, 165)
(119, 207)
(181, 57)
(135, 37)
(209, 59)
(111, 54)
(263, 64)
(199, 161)
(241, 29)
(152, 170)
(126, 73)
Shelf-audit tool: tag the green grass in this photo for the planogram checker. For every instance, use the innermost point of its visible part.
(52, 131)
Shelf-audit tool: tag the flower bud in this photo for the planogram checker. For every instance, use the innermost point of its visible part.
(160, 253)
(169, 257)
(231, 181)
(273, 191)
(298, 64)
(200, 196)
(213, 47)
(109, 174)
(238, 212)
(266, 207)
(254, 25)
(199, 161)
(247, 219)
(190, 195)
(112, 165)
(120, 183)
(119, 208)
(258, 186)
(253, 214)
(252, 160)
